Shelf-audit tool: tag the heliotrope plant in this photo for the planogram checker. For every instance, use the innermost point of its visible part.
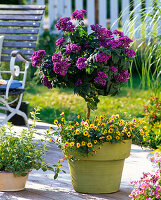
(91, 64)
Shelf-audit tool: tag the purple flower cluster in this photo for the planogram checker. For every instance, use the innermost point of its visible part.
(61, 64)
(37, 58)
(116, 32)
(86, 45)
(101, 33)
(101, 78)
(114, 69)
(78, 14)
(79, 82)
(102, 57)
(72, 48)
(64, 24)
(46, 65)
(130, 52)
(46, 82)
(81, 63)
(123, 76)
(60, 42)
(125, 41)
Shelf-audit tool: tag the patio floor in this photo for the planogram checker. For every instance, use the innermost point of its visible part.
(42, 186)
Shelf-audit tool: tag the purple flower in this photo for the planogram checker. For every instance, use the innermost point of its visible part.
(61, 64)
(64, 24)
(72, 48)
(114, 69)
(86, 45)
(81, 63)
(101, 33)
(130, 52)
(103, 44)
(46, 82)
(37, 58)
(102, 57)
(79, 82)
(46, 65)
(78, 14)
(116, 32)
(123, 76)
(125, 41)
(60, 42)
(101, 78)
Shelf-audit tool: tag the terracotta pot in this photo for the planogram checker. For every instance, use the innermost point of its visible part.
(9, 182)
(101, 173)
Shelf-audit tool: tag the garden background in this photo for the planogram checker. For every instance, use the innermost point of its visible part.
(145, 80)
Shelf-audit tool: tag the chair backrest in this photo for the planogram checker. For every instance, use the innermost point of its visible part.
(20, 25)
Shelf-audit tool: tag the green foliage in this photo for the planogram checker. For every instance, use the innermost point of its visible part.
(20, 153)
(14, 2)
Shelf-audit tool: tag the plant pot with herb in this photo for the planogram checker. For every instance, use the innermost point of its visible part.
(91, 64)
(19, 154)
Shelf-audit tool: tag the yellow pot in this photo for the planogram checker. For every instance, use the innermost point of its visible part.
(102, 172)
(9, 182)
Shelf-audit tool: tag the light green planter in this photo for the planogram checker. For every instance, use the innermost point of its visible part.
(101, 173)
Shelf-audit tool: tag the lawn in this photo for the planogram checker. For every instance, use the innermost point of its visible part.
(54, 101)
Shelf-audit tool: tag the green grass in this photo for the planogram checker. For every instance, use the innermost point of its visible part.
(53, 102)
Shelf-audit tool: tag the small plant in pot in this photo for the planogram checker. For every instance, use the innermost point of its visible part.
(96, 150)
(92, 65)
(19, 154)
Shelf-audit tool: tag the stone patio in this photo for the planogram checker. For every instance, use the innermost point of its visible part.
(42, 186)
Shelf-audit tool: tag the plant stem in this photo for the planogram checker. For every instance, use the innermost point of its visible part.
(88, 112)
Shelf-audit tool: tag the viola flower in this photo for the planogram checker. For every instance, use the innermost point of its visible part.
(130, 52)
(89, 144)
(65, 24)
(60, 42)
(109, 137)
(83, 143)
(102, 57)
(101, 78)
(78, 14)
(72, 48)
(72, 144)
(37, 58)
(85, 133)
(81, 63)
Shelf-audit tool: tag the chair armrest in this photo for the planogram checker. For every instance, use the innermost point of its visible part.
(18, 54)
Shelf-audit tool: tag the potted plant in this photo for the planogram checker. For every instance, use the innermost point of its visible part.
(19, 154)
(92, 65)
(96, 150)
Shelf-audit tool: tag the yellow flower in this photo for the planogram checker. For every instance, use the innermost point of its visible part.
(99, 123)
(117, 116)
(83, 143)
(78, 116)
(85, 123)
(56, 122)
(118, 132)
(102, 137)
(121, 124)
(87, 128)
(109, 137)
(117, 137)
(50, 140)
(112, 125)
(77, 131)
(105, 131)
(110, 130)
(82, 123)
(62, 159)
(77, 123)
(92, 126)
(103, 124)
(85, 133)
(78, 145)
(95, 141)
(70, 156)
(66, 144)
(62, 119)
(101, 117)
(72, 144)
(72, 128)
(128, 134)
(89, 144)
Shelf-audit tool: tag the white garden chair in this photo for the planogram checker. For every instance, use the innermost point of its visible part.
(19, 25)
